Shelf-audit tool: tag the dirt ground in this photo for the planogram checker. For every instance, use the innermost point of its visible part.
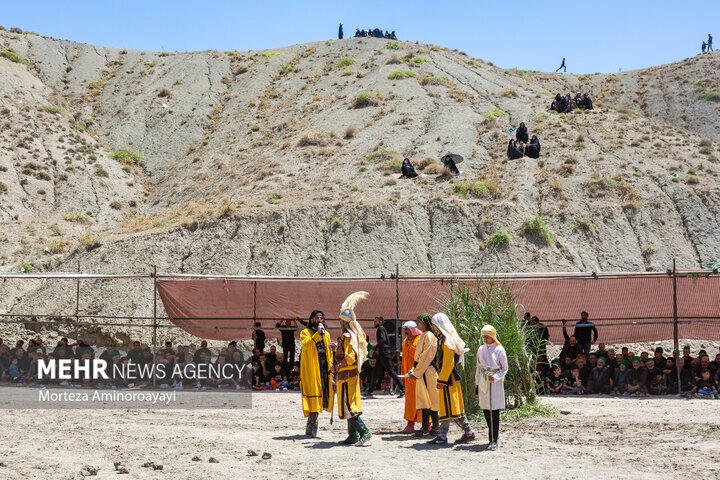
(594, 438)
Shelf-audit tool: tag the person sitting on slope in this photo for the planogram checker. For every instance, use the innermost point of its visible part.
(407, 169)
(513, 152)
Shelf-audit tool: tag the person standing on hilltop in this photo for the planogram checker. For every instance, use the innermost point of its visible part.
(340, 32)
(562, 65)
(702, 48)
(709, 43)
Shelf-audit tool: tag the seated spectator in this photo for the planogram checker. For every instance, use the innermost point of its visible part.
(294, 377)
(555, 380)
(217, 379)
(567, 363)
(257, 383)
(14, 371)
(532, 149)
(449, 163)
(705, 387)
(272, 356)
(573, 384)
(581, 364)
(513, 152)
(704, 365)
(203, 350)
(521, 134)
(407, 169)
(636, 379)
(586, 103)
(366, 374)
(658, 384)
(599, 380)
(619, 380)
(265, 368)
(279, 381)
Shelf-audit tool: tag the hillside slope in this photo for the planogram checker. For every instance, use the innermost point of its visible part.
(279, 163)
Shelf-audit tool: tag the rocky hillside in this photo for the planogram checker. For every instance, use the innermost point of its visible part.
(280, 162)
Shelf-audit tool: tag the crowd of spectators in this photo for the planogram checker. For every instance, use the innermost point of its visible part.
(375, 32)
(568, 103)
(581, 370)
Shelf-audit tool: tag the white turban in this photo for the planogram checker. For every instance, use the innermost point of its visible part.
(452, 339)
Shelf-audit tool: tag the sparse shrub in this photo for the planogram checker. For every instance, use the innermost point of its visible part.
(25, 267)
(432, 80)
(347, 73)
(129, 157)
(335, 223)
(101, 172)
(692, 180)
(3, 188)
(390, 182)
(80, 218)
(365, 100)
(393, 46)
(425, 162)
(16, 30)
(400, 75)
(394, 60)
(434, 169)
(43, 176)
(274, 198)
(115, 205)
(345, 62)
(318, 139)
(419, 60)
(225, 209)
(709, 96)
(457, 95)
(510, 93)
(239, 69)
(270, 54)
(536, 227)
(13, 57)
(90, 242)
(350, 131)
(164, 92)
(498, 239)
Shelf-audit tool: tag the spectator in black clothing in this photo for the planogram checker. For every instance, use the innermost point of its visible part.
(702, 48)
(599, 379)
(287, 334)
(658, 357)
(562, 65)
(636, 379)
(449, 163)
(265, 368)
(584, 370)
(567, 363)
(541, 336)
(513, 152)
(357, 33)
(521, 134)
(366, 374)
(709, 43)
(340, 32)
(584, 331)
(585, 103)
(272, 356)
(407, 169)
(570, 348)
(383, 353)
(259, 337)
(705, 364)
(203, 350)
(532, 149)
(135, 354)
(687, 359)
(168, 349)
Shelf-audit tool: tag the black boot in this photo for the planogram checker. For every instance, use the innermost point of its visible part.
(425, 423)
(435, 422)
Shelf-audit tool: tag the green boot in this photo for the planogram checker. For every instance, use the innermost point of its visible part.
(365, 433)
(353, 435)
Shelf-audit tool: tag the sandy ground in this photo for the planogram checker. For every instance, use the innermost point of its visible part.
(595, 438)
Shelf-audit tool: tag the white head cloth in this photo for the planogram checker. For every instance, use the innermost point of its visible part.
(452, 339)
(358, 341)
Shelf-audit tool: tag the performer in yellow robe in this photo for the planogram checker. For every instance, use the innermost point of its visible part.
(316, 359)
(424, 371)
(451, 350)
(412, 336)
(350, 354)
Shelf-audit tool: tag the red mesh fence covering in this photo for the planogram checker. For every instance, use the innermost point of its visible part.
(626, 309)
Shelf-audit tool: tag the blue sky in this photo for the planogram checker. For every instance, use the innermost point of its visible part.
(601, 36)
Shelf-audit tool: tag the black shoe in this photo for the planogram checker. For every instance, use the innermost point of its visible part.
(401, 394)
(438, 441)
(421, 433)
(466, 438)
(350, 440)
(492, 446)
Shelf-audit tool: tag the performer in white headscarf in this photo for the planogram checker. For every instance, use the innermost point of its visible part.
(492, 365)
(451, 349)
(349, 356)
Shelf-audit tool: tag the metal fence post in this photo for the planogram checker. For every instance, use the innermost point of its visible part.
(675, 326)
(77, 306)
(154, 276)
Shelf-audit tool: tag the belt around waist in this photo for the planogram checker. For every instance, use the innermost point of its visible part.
(345, 374)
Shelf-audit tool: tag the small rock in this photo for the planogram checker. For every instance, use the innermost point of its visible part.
(148, 464)
(565, 412)
(117, 464)
(157, 466)
(89, 471)
(252, 453)
(196, 459)
(122, 470)
(266, 456)
(213, 460)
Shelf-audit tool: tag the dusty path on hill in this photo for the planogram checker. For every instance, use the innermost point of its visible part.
(618, 438)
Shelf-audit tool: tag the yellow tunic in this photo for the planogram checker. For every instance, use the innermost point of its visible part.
(451, 399)
(310, 382)
(412, 414)
(426, 392)
(349, 389)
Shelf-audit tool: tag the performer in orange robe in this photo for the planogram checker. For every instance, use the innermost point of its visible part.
(412, 414)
